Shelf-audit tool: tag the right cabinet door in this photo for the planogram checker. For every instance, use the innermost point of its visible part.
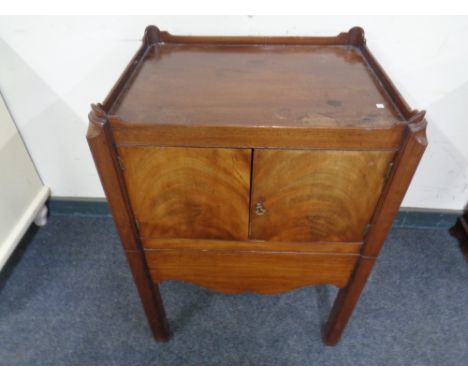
(317, 195)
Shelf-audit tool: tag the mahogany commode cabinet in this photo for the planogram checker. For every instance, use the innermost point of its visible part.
(259, 164)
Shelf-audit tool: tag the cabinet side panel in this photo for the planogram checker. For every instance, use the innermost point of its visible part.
(405, 167)
(104, 156)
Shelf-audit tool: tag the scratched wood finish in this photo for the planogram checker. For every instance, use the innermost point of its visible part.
(188, 192)
(315, 195)
(253, 272)
(254, 85)
(251, 246)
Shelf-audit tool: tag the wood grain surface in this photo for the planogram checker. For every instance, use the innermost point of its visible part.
(315, 195)
(254, 272)
(251, 246)
(188, 192)
(255, 85)
(358, 138)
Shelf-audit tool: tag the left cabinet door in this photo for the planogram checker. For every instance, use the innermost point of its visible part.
(188, 193)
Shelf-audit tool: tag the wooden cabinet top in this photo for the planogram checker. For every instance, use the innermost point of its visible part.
(326, 82)
(256, 92)
(256, 85)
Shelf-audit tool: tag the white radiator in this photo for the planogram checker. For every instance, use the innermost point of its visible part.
(22, 193)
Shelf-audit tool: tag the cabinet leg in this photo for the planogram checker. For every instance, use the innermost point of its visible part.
(160, 329)
(105, 156)
(460, 232)
(150, 297)
(346, 301)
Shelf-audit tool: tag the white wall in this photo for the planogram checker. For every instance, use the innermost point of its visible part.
(52, 68)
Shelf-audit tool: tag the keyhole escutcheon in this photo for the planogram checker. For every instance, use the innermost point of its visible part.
(259, 209)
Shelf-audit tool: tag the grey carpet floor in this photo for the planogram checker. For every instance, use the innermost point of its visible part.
(67, 298)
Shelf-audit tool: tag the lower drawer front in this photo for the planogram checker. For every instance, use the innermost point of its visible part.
(261, 272)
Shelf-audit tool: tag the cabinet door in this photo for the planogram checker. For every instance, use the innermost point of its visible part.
(188, 192)
(316, 195)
